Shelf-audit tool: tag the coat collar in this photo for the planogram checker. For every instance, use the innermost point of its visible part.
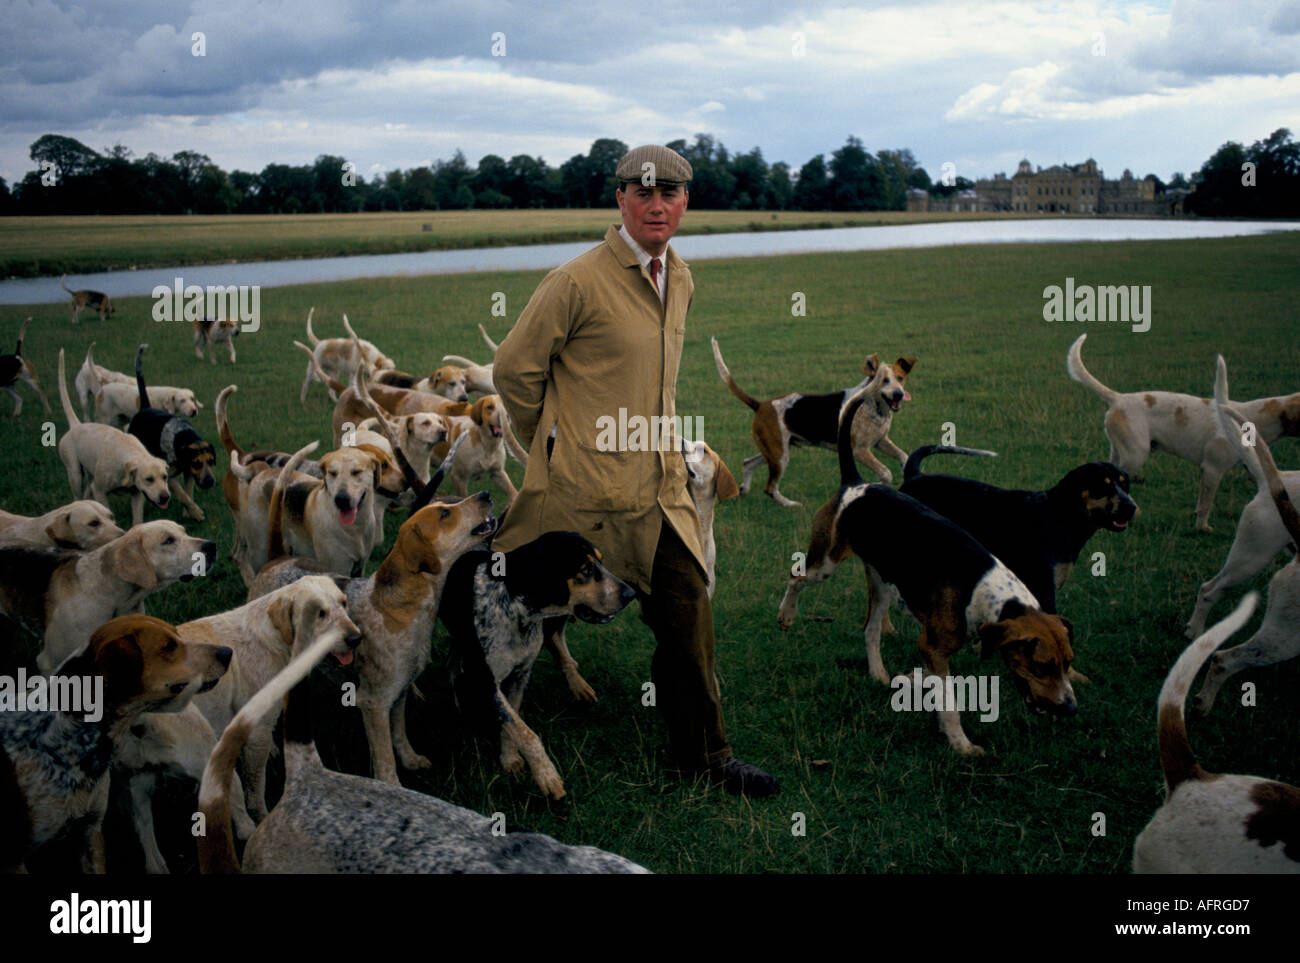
(626, 258)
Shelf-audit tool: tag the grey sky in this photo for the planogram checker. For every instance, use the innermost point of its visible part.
(1152, 86)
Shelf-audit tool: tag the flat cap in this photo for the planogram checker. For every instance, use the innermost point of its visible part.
(653, 164)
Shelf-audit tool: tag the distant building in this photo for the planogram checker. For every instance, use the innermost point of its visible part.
(1061, 189)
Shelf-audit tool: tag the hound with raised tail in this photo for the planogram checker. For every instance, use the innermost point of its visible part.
(330, 519)
(1213, 823)
(315, 827)
(953, 587)
(797, 419)
(190, 460)
(1145, 421)
(90, 378)
(99, 459)
(14, 367)
(95, 300)
(210, 332)
(1278, 638)
(339, 357)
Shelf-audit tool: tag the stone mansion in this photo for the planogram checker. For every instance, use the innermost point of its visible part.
(1061, 189)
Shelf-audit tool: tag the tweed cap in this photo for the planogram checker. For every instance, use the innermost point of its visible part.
(669, 167)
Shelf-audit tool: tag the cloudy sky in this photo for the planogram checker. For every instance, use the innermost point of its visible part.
(1149, 85)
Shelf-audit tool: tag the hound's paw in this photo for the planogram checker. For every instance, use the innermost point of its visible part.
(549, 783)
(970, 749)
(197, 514)
(886, 476)
(1079, 677)
(416, 761)
(512, 762)
(581, 691)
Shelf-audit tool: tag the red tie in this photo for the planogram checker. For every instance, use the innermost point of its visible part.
(655, 268)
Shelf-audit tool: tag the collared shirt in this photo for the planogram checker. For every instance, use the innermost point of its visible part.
(661, 282)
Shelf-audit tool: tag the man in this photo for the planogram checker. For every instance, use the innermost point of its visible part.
(603, 333)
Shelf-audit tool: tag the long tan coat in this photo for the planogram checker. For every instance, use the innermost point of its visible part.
(593, 339)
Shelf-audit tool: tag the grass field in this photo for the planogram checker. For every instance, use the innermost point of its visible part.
(891, 796)
(50, 246)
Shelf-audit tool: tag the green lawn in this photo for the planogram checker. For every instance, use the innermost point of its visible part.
(891, 796)
(48, 246)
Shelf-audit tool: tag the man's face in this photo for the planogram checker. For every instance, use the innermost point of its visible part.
(651, 214)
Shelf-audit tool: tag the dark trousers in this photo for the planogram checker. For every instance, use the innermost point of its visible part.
(679, 613)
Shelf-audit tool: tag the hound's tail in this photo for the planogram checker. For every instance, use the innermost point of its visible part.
(352, 334)
(64, 286)
(386, 427)
(338, 386)
(139, 377)
(849, 474)
(223, 423)
(457, 359)
(913, 467)
(512, 443)
(68, 412)
(217, 844)
(310, 336)
(362, 368)
(490, 343)
(275, 514)
(1074, 365)
(1259, 460)
(425, 494)
(22, 334)
(1176, 757)
(727, 380)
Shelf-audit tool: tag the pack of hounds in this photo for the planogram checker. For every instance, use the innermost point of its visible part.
(210, 700)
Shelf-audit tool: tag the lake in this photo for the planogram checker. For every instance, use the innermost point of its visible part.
(697, 247)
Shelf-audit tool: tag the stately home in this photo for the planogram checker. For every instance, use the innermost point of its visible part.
(1061, 189)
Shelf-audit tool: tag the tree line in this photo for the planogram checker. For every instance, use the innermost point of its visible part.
(71, 178)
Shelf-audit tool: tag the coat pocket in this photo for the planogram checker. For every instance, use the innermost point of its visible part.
(596, 480)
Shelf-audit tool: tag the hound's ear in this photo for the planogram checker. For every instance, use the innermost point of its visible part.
(870, 365)
(428, 560)
(120, 661)
(281, 615)
(60, 530)
(905, 364)
(724, 483)
(131, 562)
(476, 411)
(1069, 628)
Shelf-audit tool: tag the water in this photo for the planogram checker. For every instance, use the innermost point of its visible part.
(697, 247)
